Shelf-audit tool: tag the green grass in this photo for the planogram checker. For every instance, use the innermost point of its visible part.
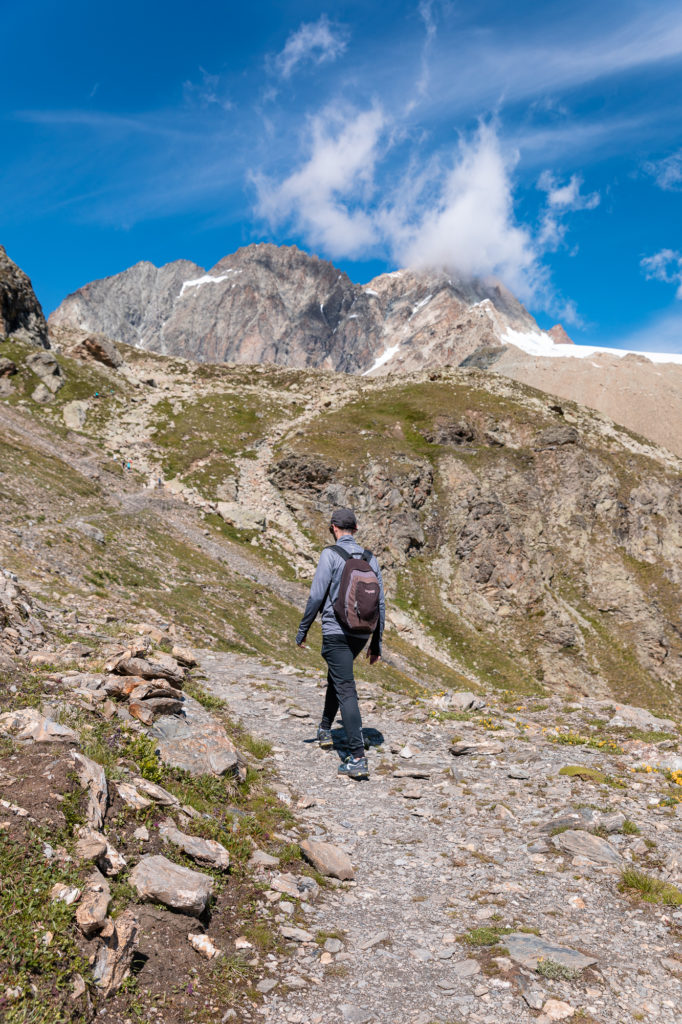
(650, 889)
(582, 772)
(484, 936)
(555, 971)
(28, 914)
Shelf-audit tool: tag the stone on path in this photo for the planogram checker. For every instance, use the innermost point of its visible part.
(203, 851)
(466, 968)
(414, 772)
(355, 1014)
(297, 934)
(528, 949)
(159, 880)
(584, 844)
(555, 1009)
(328, 859)
(266, 985)
(374, 940)
(91, 777)
(476, 747)
(114, 957)
(197, 743)
(94, 905)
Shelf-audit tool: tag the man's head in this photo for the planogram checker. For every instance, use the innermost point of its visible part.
(343, 521)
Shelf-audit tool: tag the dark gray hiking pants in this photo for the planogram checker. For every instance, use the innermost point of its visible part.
(340, 652)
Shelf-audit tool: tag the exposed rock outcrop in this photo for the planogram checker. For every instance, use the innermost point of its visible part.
(21, 315)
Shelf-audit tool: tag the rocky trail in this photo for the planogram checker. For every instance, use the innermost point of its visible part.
(486, 882)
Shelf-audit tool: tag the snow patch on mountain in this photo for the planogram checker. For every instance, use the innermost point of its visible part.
(206, 279)
(542, 345)
(381, 360)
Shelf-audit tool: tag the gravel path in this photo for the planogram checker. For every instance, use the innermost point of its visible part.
(458, 848)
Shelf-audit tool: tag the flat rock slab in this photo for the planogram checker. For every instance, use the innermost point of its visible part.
(27, 725)
(466, 968)
(159, 880)
(196, 742)
(203, 851)
(627, 716)
(297, 934)
(328, 859)
(355, 1014)
(529, 949)
(584, 844)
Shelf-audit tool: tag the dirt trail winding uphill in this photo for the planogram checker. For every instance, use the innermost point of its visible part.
(463, 863)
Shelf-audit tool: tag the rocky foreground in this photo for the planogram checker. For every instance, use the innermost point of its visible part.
(509, 858)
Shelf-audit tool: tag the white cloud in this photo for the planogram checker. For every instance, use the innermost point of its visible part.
(467, 222)
(455, 213)
(568, 196)
(666, 266)
(324, 198)
(561, 199)
(317, 41)
(667, 172)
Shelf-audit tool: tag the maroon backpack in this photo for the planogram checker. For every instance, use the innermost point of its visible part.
(357, 604)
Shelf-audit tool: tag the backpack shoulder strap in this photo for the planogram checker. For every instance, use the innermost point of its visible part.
(367, 555)
(339, 551)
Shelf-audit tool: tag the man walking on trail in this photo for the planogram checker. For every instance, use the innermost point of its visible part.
(348, 587)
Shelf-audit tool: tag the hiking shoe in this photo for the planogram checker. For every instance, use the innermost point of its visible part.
(354, 768)
(324, 738)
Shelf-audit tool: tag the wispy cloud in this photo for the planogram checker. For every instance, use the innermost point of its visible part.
(314, 42)
(210, 90)
(666, 266)
(561, 199)
(323, 198)
(667, 172)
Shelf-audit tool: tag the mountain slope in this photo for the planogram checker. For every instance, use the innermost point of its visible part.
(526, 545)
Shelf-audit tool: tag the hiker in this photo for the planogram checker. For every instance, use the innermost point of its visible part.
(348, 587)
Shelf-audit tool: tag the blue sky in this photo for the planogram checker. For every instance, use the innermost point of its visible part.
(539, 142)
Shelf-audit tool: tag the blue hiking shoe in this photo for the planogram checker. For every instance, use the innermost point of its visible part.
(324, 738)
(354, 768)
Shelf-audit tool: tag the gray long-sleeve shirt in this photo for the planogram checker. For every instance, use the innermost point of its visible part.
(326, 581)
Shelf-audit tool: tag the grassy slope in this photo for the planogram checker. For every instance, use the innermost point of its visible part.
(143, 565)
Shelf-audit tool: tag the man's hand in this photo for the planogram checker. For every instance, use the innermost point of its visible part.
(301, 644)
(373, 658)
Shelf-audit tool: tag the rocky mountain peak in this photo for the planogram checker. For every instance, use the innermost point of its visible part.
(278, 304)
(21, 315)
